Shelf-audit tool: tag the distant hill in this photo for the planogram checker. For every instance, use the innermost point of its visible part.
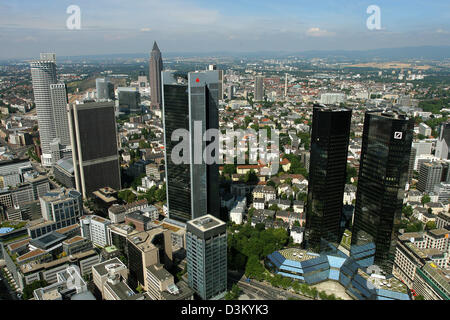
(422, 52)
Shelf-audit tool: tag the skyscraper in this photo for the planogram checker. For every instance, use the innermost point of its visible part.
(259, 88)
(214, 67)
(58, 94)
(383, 173)
(206, 254)
(93, 134)
(43, 74)
(192, 187)
(443, 143)
(430, 174)
(105, 89)
(129, 100)
(63, 206)
(156, 66)
(327, 176)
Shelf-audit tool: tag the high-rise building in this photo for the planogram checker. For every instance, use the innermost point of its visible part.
(214, 67)
(383, 173)
(443, 143)
(412, 159)
(63, 206)
(129, 100)
(192, 186)
(230, 93)
(327, 176)
(95, 228)
(142, 80)
(424, 129)
(93, 134)
(105, 89)
(259, 88)
(43, 74)
(58, 94)
(206, 253)
(156, 66)
(430, 174)
(333, 98)
(147, 248)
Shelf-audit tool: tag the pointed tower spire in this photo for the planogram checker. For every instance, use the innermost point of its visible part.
(156, 66)
(155, 47)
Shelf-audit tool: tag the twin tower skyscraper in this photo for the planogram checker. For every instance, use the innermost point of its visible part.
(192, 189)
(383, 174)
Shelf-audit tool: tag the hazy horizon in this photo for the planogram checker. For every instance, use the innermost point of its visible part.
(116, 27)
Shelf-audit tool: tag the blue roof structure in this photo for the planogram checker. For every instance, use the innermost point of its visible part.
(313, 268)
(6, 230)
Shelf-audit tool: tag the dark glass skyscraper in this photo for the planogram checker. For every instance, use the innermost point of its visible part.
(327, 175)
(156, 66)
(192, 187)
(93, 134)
(383, 173)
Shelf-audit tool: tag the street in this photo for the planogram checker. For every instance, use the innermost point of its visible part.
(263, 290)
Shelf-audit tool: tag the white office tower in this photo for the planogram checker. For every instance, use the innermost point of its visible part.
(59, 103)
(43, 74)
(333, 98)
(443, 142)
(51, 101)
(285, 85)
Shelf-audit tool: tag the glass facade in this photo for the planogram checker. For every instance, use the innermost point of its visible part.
(136, 275)
(383, 173)
(192, 188)
(176, 116)
(327, 176)
(206, 254)
(129, 100)
(313, 268)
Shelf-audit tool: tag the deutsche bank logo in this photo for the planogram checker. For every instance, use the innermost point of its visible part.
(398, 135)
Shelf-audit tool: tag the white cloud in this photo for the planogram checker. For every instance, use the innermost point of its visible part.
(442, 31)
(317, 32)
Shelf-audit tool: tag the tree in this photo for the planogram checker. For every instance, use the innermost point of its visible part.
(251, 177)
(254, 268)
(430, 225)
(351, 173)
(271, 183)
(229, 169)
(137, 181)
(234, 293)
(29, 289)
(274, 207)
(426, 199)
(127, 195)
(407, 211)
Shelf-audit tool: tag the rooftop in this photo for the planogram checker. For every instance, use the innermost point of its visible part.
(103, 267)
(381, 282)
(123, 291)
(60, 195)
(30, 255)
(47, 240)
(206, 222)
(74, 240)
(298, 255)
(159, 272)
(33, 266)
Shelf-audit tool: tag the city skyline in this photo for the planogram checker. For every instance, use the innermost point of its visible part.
(113, 184)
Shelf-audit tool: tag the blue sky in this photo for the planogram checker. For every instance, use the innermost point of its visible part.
(28, 27)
